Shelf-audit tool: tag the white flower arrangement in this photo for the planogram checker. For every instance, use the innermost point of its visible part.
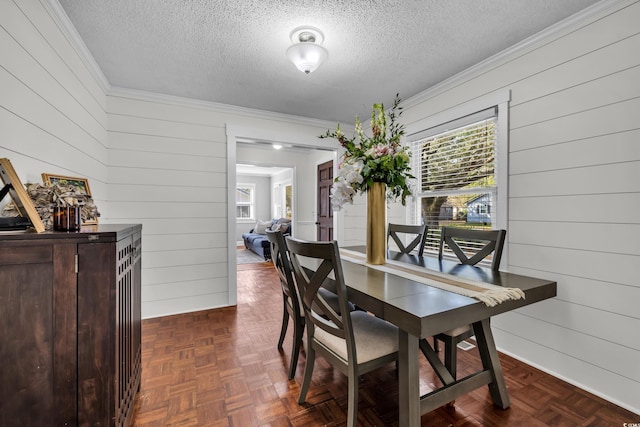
(379, 158)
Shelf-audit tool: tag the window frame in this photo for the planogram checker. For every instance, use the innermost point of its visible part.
(455, 117)
(251, 204)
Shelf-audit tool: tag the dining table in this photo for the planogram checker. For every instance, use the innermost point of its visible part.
(422, 309)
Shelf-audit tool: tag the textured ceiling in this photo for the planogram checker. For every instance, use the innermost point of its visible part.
(233, 51)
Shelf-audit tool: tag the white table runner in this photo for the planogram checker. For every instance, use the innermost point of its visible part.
(489, 294)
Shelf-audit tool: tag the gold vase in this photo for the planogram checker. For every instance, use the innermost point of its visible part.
(377, 223)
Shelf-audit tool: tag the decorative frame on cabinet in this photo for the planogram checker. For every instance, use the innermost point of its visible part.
(21, 199)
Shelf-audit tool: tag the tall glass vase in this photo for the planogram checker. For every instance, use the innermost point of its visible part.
(377, 223)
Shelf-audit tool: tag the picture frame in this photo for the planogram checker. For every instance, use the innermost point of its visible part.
(81, 183)
(21, 199)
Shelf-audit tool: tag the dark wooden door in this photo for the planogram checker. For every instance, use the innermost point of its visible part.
(324, 222)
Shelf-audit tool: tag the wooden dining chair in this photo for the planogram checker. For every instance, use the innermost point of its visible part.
(291, 303)
(418, 234)
(354, 342)
(471, 247)
(292, 306)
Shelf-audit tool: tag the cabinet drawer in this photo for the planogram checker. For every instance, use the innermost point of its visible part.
(28, 254)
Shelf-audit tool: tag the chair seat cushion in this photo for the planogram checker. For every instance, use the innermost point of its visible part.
(374, 338)
(457, 331)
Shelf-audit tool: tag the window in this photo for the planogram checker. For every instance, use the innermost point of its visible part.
(460, 166)
(245, 199)
(288, 201)
(282, 197)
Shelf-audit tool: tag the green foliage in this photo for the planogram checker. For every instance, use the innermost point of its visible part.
(377, 158)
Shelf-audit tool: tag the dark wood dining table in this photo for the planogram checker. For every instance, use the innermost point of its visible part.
(421, 311)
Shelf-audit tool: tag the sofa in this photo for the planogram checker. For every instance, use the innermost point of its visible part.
(256, 239)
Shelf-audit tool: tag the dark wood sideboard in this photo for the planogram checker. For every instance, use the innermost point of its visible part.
(70, 313)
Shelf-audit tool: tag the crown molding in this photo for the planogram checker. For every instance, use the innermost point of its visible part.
(61, 19)
(141, 95)
(572, 23)
(560, 29)
(69, 31)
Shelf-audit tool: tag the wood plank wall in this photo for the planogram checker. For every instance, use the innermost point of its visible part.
(574, 190)
(50, 102)
(155, 160)
(574, 195)
(168, 170)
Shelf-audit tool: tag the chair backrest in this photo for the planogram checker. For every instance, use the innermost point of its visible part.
(280, 259)
(313, 263)
(418, 232)
(476, 244)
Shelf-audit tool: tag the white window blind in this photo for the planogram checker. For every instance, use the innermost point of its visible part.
(455, 167)
(461, 159)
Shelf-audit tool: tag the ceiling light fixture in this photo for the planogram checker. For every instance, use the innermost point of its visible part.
(277, 146)
(306, 52)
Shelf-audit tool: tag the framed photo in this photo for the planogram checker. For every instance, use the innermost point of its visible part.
(81, 184)
(19, 195)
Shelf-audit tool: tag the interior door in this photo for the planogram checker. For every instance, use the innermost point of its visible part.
(324, 223)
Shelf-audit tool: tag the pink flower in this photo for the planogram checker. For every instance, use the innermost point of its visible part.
(379, 150)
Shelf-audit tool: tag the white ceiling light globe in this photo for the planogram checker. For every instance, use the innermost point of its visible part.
(306, 53)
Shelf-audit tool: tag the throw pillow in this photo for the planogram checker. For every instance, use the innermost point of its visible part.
(261, 227)
(275, 227)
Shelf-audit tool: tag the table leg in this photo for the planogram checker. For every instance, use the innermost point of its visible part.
(490, 361)
(408, 380)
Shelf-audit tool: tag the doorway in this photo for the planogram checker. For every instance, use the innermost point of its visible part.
(264, 193)
(250, 145)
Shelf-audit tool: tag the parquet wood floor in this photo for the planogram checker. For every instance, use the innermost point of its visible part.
(221, 367)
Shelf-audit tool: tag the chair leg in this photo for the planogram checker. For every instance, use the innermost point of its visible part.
(352, 398)
(308, 371)
(432, 357)
(285, 322)
(298, 331)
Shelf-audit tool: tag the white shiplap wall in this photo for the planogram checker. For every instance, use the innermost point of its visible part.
(168, 170)
(573, 187)
(574, 195)
(52, 110)
(154, 160)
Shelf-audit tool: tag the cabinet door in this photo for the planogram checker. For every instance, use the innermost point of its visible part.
(96, 317)
(37, 302)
